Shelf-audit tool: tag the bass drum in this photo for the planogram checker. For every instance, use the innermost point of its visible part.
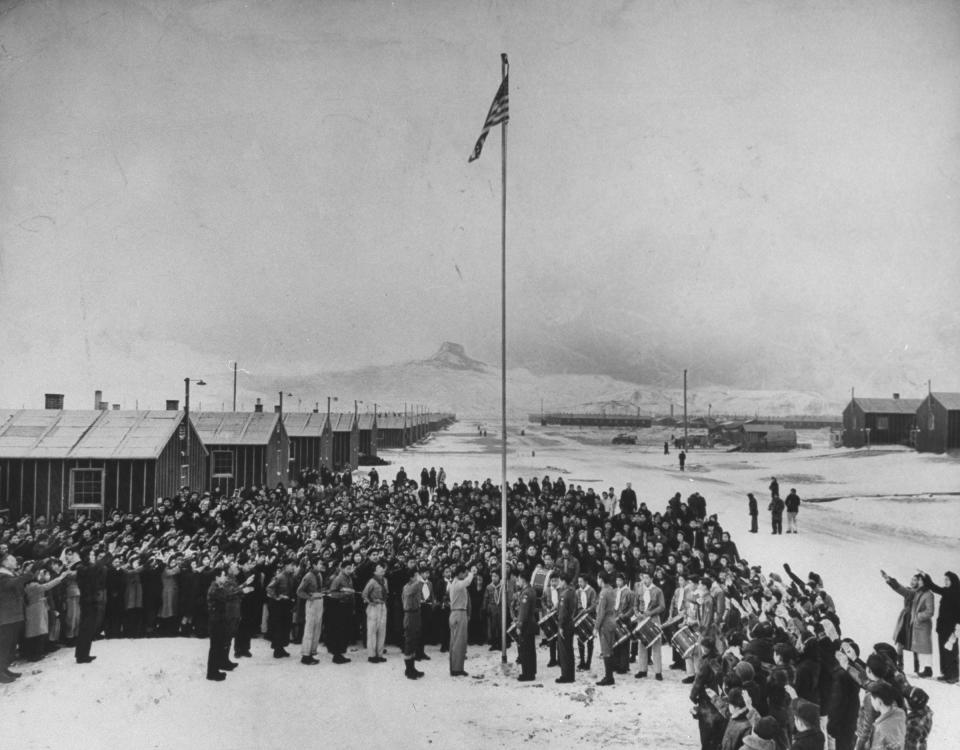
(540, 580)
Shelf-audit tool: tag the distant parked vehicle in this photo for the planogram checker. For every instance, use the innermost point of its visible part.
(624, 439)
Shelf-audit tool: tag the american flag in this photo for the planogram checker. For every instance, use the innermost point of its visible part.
(499, 112)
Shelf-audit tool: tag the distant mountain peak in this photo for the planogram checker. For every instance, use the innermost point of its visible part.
(454, 357)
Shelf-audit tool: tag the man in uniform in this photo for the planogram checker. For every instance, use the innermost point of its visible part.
(375, 597)
(309, 591)
(606, 627)
(459, 601)
(586, 601)
(412, 593)
(566, 607)
(527, 628)
(624, 607)
(650, 604)
(341, 595)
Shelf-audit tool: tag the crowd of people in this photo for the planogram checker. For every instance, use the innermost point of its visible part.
(407, 563)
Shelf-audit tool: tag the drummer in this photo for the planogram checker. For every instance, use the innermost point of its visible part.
(586, 602)
(566, 607)
(624, 608)
(650, 605)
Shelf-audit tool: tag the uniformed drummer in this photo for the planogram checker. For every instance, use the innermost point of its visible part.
(650, 604)
(623, 599)
(566, 607)
(586, 602)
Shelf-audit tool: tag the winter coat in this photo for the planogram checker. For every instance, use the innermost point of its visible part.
(737, 728)
(844, 704)
(752, 742)
(809, 739)
(169, 597)
(949, 616)
(12, 597)
(919, 724)
(36, 620)
(915, 620)
(134, 588)
(889, 730)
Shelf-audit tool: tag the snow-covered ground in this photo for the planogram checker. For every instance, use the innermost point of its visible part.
(893, 512)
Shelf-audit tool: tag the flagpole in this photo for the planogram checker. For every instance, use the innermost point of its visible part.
(504, 69)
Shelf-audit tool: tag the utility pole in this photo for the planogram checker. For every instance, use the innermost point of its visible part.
(234, 385)
(684, 409)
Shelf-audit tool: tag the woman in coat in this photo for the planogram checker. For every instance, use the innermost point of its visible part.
(914, 629)
(948, 623)
(36, 624)
(169, 596)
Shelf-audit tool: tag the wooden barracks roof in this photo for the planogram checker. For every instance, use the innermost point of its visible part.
(304, 424)
(100, 434)
(235, 427)
(888, 405)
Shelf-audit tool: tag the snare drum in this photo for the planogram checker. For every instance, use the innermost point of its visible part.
(648, 632)
(548, 625)
(623, 634)
(685, 640)
(583, 626)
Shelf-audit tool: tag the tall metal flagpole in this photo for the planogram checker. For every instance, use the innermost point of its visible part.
(504, 69)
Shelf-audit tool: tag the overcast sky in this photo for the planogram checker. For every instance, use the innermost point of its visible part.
(764, 192)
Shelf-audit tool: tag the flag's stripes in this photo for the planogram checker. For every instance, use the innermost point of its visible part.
(499, 112)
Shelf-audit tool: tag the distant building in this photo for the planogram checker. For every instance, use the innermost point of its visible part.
(766, 437)
(938, 423)
(311, 442)
(247, 449)
(879, 421)
(68, 461)
(367, 428)
(346, 440)
(584, 419)
(393, 430)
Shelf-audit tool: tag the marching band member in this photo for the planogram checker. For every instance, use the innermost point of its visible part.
(586, 601)
(650, 604)
(606, 627)
(527, 628)
(566, 607)
(412, 631)
(623, 605)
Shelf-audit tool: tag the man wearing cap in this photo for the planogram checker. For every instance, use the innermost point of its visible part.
(412, 593)
(526, 627)
(459, 601)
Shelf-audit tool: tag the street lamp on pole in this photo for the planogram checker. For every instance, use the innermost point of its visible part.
(330, 428)
(185, 466)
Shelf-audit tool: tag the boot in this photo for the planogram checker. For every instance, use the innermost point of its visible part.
(410, 673)
(608, 672)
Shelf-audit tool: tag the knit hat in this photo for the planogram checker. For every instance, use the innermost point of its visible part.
(767, 728)
(917, 698)
(807, 712)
